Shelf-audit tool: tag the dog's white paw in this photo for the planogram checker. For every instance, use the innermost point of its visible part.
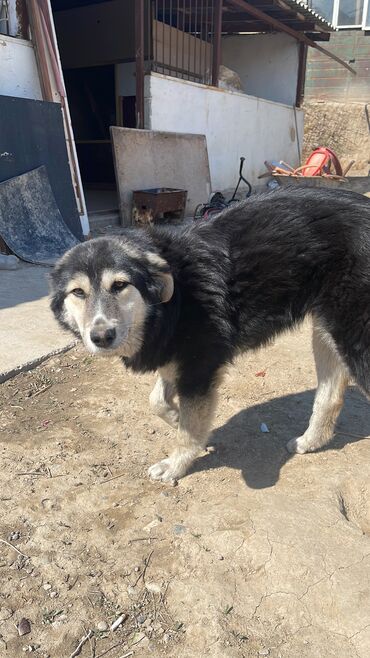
(164, 471)
(298, 446)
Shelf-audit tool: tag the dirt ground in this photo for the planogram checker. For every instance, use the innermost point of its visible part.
(254, 553)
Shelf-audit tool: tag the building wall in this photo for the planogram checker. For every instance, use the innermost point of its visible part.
(234, 124)
(96, 34)
(328, 80)
(266, 63)
(18, 69)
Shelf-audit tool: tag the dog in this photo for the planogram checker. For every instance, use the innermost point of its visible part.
(185, 301)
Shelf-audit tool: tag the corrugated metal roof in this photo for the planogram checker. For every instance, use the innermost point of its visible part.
(307, 11)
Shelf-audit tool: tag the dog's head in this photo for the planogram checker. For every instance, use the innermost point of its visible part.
(103, 290)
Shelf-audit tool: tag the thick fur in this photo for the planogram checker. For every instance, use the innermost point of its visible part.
(239, 280)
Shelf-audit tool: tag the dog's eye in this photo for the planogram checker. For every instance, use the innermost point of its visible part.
(117, 286)
(78, 292)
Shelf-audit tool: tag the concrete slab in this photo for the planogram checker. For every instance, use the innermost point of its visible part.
(28, 331)
(146, 159)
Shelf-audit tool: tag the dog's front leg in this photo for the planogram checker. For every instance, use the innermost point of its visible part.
(162, 402)
(195, 420)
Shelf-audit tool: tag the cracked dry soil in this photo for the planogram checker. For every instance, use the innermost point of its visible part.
(255, 553)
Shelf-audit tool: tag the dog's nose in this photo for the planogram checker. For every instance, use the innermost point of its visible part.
(103, 337)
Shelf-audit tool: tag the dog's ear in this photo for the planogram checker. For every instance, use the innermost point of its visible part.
(161, 273)
(167, 286)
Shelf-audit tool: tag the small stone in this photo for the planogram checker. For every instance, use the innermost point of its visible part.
(221, 557)
(152, 431)
(153, 587)
(141, 619)
(137, 569)
(14, 535)
(151, 525)
(53, 595)
(179, 529)
(47, 586)
(102, 626)
(265, 430)
(131, 590)
(264, 652)
(211, 449)
(24, 627)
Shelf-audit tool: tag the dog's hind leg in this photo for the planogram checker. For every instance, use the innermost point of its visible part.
(161, 399)
(195, 420)
(332, 378)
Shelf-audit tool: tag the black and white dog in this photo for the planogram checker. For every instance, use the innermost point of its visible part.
(185, 301)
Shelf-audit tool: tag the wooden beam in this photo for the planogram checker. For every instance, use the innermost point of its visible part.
(281, 27)
(216, 54)
(301, 74)
(253, 25)
(40, 49)
(139, 57)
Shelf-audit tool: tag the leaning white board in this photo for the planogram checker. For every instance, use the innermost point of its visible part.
(146, 159)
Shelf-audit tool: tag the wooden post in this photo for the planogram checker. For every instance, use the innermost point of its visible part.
(301, 74)
(217, 42)
(139, 56)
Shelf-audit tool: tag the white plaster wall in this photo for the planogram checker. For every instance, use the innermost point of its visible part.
(266, 63)
(18, 69)
(234, 124)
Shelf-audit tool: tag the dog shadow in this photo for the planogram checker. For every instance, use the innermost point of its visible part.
(241, 444)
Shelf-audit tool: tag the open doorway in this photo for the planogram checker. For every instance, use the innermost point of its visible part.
(96, 41)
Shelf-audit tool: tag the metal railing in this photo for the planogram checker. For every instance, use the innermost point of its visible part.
(181, 38)
(4, 17)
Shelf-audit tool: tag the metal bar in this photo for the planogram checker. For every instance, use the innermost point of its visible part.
(170, 57)
(195, 36)
(201, 31)
(183, 35)
(278, 25)
(155, 34)
(189, 39)
(139, 57)
(163, 15)
(177, 34)
(216, 56)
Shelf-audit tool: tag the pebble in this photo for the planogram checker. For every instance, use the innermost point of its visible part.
(141, 619)
(47, 586)
(265, 430)
(153, 587)
(53, 595)
(221, 557)
(24, 627)
(14, 535)
(102, 626)
(179, 529)
(264, 652)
